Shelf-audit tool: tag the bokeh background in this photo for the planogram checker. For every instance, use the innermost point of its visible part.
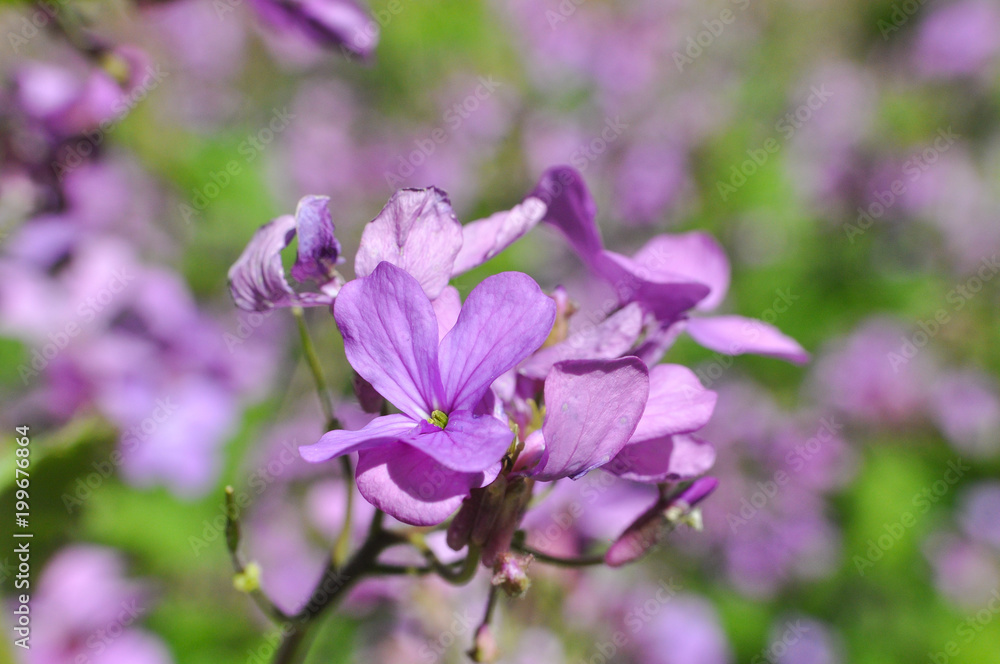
(846, 154)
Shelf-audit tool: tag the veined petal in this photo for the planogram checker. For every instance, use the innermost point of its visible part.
(447, 306)
(592, 407)
(257, 279)
(319, 250)
(736, 335)
(678, 403)
(571, 209)
(695, 256)
(504, 319)
(410, 486)
(380, 431)
(391, 338)
(469, 443)
(655, 460)
(484, 239)
(416, 231)
(611, 338)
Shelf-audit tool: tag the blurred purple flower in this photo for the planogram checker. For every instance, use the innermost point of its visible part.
(685, 629)
(342, 24)
(966, 407)
(85, 609)
(959, 39)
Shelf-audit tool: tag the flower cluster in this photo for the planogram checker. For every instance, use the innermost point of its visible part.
(479, 401)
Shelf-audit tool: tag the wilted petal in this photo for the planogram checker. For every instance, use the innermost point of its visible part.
(656, 460)
(380, 431)
(257, 279)
(695, 256)
(678, 403)
(319, 251)
(412, 487)
(391, 337)
(736, 335)
(611, 338)
(469, 443)
(484, 239)
(416, 231)
(505, 319)
(447, 306)
(667, 296)
(592, 408)
(571, 209)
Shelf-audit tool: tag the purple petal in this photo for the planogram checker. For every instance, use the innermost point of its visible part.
(447, 307)
(416, 231)
(678, 403)
(319, 251)
(571, 209)
(611, 338)
(505, 319)
(484, 239)
(331, 23)
(391, 337)
(695, 256)
(667, 296)
(592, 408)
(257, 279)
(657, 460)
(736, 335)
(412, 487)
(469, 443)
(380, 431)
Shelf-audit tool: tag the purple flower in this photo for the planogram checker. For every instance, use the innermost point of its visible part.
(257, 280)
(418, 465)
(342, 24)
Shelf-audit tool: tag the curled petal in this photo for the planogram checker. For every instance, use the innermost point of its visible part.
(656, 460)
(416, 231)
(380, 431)
(484, 239)
(678, 403)
(592, 407)
(469, 443)
(736, 335)
(319, 250)
(391, 337)
(407, 484)
(571, 209)
(257, 279)
(696, 256)
(505, 319)
(667, 296)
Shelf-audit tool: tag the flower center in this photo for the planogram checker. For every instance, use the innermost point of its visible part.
(439, 419)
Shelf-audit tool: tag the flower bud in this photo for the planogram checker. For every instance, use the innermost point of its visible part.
(653, 525)
(510, 573)
(484, 648)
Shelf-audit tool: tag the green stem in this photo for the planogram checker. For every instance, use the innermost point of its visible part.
(583, 561)
(457, 577)
(343, 541)
(312, 359)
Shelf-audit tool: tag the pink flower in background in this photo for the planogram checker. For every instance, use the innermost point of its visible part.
(958, 39)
